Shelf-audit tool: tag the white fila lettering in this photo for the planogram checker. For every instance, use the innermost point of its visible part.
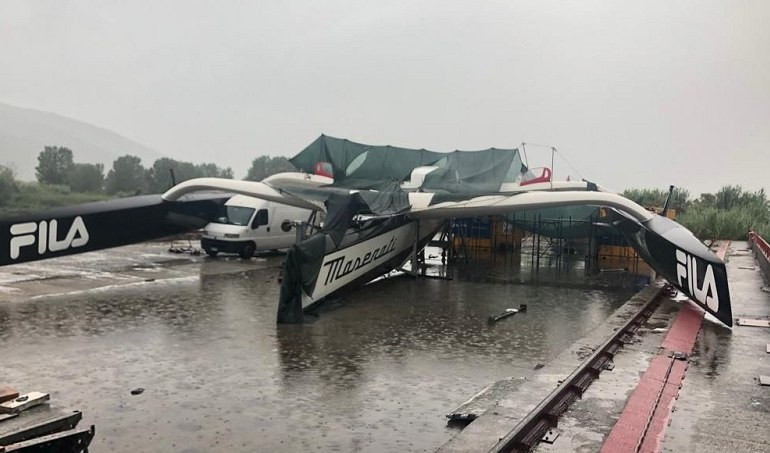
(687, 277)
(47, 236)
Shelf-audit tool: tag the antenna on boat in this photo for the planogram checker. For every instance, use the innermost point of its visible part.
(524, 149)
(668, 200)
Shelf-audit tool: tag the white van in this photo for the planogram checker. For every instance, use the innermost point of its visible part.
(249, 224)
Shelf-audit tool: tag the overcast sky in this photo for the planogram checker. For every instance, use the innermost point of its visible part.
(633, 93)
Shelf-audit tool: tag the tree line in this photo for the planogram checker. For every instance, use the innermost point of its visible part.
(56, 166)
(727, 214)
(61, 180)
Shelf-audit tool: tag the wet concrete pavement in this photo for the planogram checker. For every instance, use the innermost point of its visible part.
(721, 406)
(515, 402)
(376, 373)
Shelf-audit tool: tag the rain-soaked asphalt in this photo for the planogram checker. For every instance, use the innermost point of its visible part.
(376, 373)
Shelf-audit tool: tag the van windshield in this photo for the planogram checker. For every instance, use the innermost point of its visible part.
(235, 215)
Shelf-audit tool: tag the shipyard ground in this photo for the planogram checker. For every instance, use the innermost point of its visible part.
(377, 372)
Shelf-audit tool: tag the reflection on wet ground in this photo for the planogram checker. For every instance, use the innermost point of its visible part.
(377, 372)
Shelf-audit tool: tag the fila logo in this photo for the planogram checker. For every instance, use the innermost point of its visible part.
(47, 236)
(687, 277)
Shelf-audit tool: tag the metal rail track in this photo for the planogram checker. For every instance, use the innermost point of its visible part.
(528, 433)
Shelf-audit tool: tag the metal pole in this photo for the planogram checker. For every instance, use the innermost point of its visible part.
(539, 225)
(553, 173)
(532, 253)
(414, 249)
(569, 228)
(450, 238)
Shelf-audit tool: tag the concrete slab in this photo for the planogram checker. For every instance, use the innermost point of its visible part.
(587, 423)
(514, 405)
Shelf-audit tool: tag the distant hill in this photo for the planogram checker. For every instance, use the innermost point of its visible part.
(24, 133)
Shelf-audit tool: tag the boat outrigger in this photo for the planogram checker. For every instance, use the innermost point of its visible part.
(381, 205)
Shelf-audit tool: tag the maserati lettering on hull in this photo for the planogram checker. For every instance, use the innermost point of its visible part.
(687, 277)
(47, 237)
(342, 266)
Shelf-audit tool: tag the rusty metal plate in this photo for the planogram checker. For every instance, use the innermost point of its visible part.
(753, 322)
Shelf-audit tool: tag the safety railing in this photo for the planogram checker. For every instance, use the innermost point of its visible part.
(762, 250)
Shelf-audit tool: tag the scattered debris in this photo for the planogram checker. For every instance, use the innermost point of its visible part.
(29, 425)
(508, 312)
(753, 322)
(670, 291)
(612, 271)
(748, 268)
(765, 289)
(137, 391)
(679, 355)
(149, 279)
(24, 402)
(174, 247)
(550, 436)
(7, 393)
(538, 366)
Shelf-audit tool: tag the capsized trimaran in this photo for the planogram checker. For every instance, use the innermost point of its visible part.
(381, 204)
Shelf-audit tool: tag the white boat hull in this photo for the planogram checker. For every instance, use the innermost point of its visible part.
(381, 253)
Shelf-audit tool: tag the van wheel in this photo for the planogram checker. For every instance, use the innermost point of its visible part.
(247, 251)
(211, 252)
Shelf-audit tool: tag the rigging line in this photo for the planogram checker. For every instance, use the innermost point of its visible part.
(572, 167)
(538, 144)
(568, 162)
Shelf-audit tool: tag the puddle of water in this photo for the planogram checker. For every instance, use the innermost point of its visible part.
(378, 372)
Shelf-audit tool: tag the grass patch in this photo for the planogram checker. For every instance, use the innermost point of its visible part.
(32, 197)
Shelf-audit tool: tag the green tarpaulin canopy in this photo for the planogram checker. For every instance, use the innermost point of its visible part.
(360, 166)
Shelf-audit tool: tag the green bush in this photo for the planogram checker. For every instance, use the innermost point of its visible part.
(727, 214)
(9, 187)
(656, 198)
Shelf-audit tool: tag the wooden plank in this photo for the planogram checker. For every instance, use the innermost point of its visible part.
(7, 393)
(753, 322)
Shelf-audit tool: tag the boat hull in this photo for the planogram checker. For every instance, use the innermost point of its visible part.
(339, 270)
